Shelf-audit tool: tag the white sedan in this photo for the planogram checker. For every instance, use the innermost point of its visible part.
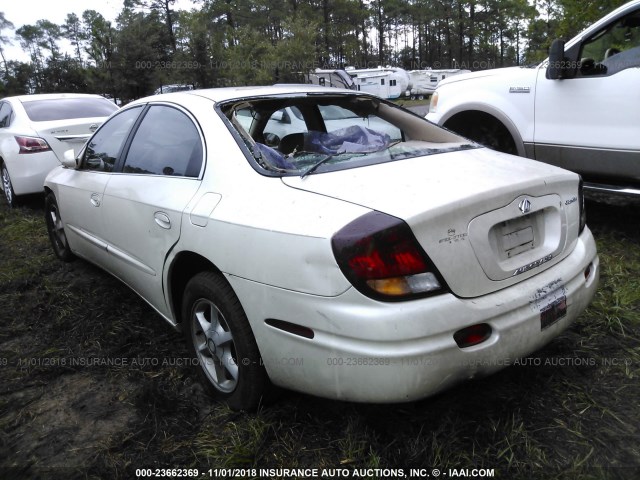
(35, 131)
(346, 263)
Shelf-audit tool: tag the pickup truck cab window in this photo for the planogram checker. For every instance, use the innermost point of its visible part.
(612, 49)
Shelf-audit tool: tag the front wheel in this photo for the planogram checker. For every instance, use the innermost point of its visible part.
(494, 136)
(484, 129)
(55, 227)
(221, 341)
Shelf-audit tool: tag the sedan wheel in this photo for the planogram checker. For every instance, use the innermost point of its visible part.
(55, 227)
(7, 187)
(222, 343)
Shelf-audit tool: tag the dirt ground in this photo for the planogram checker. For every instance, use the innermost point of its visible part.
(93, 384)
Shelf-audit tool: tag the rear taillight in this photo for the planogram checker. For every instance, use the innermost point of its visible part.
(381, 257)
(583, 212)
(32, 144)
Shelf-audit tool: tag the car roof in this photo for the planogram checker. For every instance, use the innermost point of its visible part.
(231, 93)
(51, 96)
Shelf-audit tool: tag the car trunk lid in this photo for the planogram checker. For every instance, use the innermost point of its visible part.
(63, 135)
(487, 220)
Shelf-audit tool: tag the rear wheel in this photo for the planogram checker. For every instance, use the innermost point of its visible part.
(220, 339)
(7, 187)
(55, 227)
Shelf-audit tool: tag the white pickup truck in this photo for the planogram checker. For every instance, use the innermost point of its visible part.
(579, 109)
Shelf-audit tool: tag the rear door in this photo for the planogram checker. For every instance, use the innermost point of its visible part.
(143, 204)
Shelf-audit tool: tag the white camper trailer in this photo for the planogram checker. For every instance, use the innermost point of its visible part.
(330, 78)
(385, 82)
(424, 82)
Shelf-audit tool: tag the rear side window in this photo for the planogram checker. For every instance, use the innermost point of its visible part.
(166, 143)
(103, 148)
(5, 114)
(68, 108)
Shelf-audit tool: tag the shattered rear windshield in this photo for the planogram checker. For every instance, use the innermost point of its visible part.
(307, 134)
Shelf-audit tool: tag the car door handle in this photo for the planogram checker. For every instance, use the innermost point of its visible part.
(95, 199)
(162, 219)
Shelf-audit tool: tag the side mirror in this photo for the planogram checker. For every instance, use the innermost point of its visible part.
(557, 61)
(559, 65)
(69, 159)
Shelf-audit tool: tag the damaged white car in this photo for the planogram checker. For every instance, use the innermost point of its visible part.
(367, 256)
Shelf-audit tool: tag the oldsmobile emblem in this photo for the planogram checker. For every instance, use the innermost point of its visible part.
(524, 206)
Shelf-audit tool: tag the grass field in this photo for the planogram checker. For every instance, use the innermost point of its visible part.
(93, 384)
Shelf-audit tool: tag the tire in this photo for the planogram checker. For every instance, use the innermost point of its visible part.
(220, 339)
(495, 136)
(7, 187)
(483, 129)
(55, 227)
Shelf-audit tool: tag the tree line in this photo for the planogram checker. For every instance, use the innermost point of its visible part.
(257, 42)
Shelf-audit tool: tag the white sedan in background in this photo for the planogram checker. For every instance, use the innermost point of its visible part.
(345, 263)
(35, 131)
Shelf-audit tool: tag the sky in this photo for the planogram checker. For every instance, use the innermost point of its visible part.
(28, 12)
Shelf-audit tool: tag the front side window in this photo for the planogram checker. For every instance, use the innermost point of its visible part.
(166, 143)
(304, 135)
(104, 147)
(613, 49)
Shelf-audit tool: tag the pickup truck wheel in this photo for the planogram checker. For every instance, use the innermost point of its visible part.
(494, 136)
(484, 129)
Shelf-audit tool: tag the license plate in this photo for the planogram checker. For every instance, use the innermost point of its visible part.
(551, 302)
(553, 313)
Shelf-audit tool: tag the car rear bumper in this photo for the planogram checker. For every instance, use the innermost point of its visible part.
(28, 171)
(369, 351)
